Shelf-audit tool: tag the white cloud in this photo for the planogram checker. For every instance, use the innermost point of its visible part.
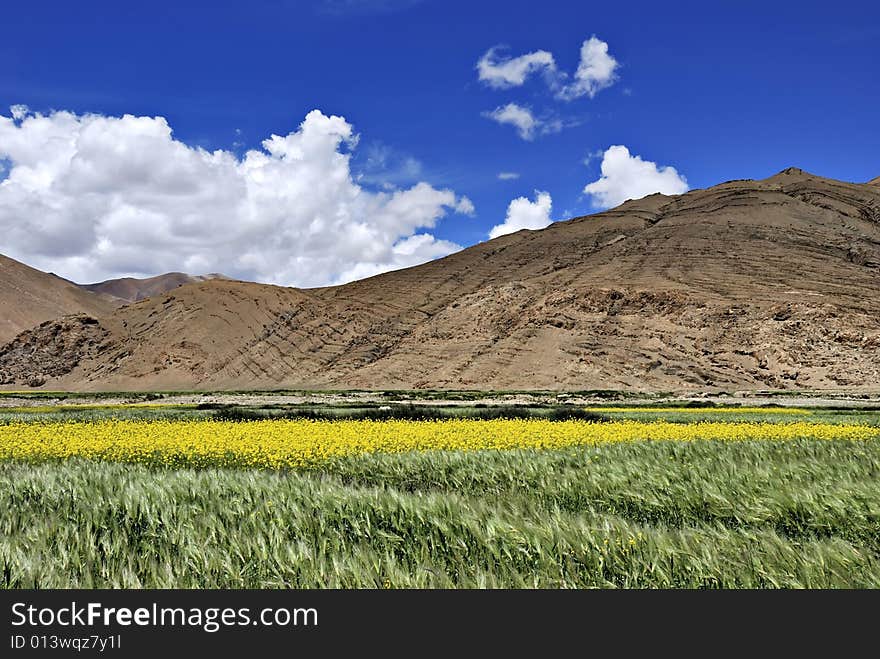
(92, 197)
(19, 111)
(503, 73)
(416, 249)
(525, 214)
(517, 116)
(527, 125)
(555, 125)
(465, 206)
(507, 176)
(625, 176)
(596, 71)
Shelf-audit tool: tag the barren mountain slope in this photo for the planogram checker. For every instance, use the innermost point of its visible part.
(770, 284)
(166, 342)
(746, 285)
(129, 289)
(29, 297)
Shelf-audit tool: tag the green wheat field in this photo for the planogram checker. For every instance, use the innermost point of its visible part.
(646, 514)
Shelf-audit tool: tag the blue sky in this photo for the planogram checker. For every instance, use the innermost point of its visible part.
(716, 90)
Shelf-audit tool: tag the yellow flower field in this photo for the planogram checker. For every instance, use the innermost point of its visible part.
(292, 443)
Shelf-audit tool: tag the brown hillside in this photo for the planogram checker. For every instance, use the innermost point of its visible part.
(28, 297)
(129, 289)
(746, 285)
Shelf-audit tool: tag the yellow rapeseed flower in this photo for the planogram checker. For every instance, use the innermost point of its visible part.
(293, 443)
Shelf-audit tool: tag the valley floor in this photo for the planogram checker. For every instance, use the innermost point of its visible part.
(178, 495)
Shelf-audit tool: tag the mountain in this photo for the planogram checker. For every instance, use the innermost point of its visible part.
(129, 289)
(29, 297)
(768, 284)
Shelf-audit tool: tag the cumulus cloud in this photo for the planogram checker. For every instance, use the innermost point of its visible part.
(517, 116)
(465, 206)
(19, 111)
(93, 197)
(416, 249)
(507, 176)
(505, 72)
(625, 176)
(596, 71)
(527, 125)
(525, 214)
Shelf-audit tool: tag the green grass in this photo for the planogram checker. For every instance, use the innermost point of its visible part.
(101, 413)
(354, 410)
(768, 414)
(374, 411)
(692, 515)
(407, 412)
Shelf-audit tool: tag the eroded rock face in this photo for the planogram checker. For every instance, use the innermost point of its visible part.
(52, 349)
(771, 284)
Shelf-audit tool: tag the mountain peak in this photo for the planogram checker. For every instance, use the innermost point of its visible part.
(790, 173)
(129, 289)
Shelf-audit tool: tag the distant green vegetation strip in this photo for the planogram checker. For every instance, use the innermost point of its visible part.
(645, 515)
(317, 412)
(612, 396)
(428, 412)
(395, 394)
